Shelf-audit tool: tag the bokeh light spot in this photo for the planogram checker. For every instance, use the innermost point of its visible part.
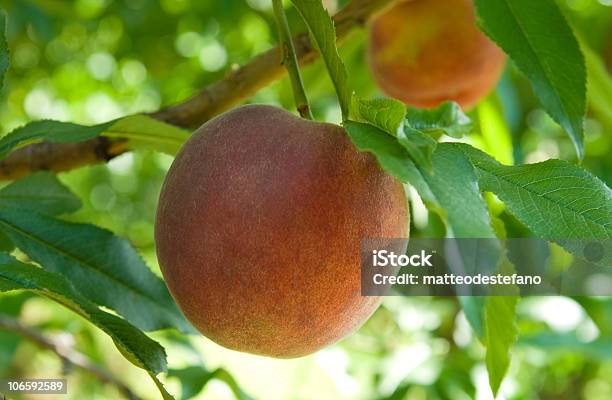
(100, 107)
(101, 65)
(133, 72)
(189, 44)
(213, 56)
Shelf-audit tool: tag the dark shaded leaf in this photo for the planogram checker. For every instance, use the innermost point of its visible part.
(41, 192)
(539, 40)
(392, 157)
(419, 145)
(138, 348)
(104, 267)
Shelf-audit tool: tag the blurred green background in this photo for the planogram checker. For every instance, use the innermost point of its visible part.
(89, 61)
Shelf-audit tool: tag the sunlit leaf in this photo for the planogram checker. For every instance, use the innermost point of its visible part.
(143, 132)
(495, 131)
(501, 330)
(385, 114)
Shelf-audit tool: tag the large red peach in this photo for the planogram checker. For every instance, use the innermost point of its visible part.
(259, 227)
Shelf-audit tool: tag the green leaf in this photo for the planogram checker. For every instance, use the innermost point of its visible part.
(598, 349)
(419, 145)
(4, 51)
(473, 308)
(454, 184)
(137, 347)
(104, 267)
(389, 116)
(423, 125)
(501, 333)
(141, 132)
(194, 378)
(41, 192)
(541, 43)
(413, 127)
(144, 132)
(391, 156)
(47, 130)
(323, 34)
(555, 199)
(385, 114)
(501, 330)
(448, 119)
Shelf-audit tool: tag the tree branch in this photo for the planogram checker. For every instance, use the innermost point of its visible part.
(238, 85)
(58, 157)
(67, 354)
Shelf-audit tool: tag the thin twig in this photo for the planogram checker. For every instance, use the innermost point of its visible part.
(68, 355)
(290, 62)
(238, 85)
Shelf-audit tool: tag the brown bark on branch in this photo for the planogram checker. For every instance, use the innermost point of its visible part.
(68, 355)
(58, 157)
(238, 85)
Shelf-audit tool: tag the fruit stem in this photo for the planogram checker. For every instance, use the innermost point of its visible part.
(289, 60)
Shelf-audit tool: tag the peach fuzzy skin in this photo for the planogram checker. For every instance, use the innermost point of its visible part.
(259, 226)
(425, 52)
